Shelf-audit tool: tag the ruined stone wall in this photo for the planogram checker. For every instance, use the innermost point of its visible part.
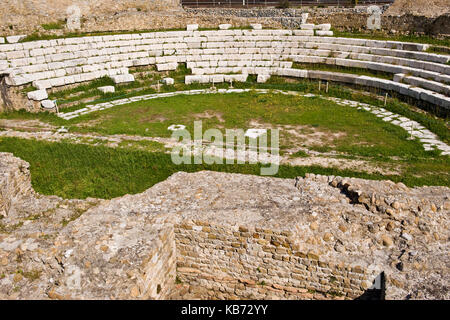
(343, 19)
(158, 275)
(328, 235)
(29, 15)
(256, 263)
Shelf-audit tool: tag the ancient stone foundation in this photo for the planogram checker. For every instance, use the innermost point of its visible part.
(226, 236)
(258, 263)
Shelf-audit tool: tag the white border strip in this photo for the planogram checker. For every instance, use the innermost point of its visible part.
(429, 140)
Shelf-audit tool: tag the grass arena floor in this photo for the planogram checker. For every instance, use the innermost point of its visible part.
(313, 132)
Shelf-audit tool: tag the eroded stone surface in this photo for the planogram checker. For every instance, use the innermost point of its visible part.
(226, 236)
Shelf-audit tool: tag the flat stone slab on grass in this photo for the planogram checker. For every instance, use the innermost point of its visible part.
(176, 127)
(107, 89)
(256, 26)
(48, 104)
(122, 78)
(168, 81)
(224, 26)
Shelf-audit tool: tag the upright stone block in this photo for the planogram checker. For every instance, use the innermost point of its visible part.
(192, 27)
(48, 104)
(122, 78)
(307, 26)
(225, 26)
(38, 95)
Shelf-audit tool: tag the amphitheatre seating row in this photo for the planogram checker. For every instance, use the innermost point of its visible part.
(214, 53)
(416, 93)
(406, 90)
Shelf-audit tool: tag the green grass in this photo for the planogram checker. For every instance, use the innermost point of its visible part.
(81, 171)
(54, 25)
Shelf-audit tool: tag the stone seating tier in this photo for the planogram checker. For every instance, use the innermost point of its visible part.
(59, 62)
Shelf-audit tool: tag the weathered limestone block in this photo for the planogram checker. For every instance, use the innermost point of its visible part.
(427, 84)
(167, 66)
(15, 39)
(168, 81)
(235, 77)
(42, 84)
(122, 78)
(48, 104)
(374, 20)
(38, 95)
(73, 18)
(216, 78)
(192, 27)
(125, 248)
(307, 26)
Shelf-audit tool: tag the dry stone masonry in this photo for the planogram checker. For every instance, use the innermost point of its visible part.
(219, 235)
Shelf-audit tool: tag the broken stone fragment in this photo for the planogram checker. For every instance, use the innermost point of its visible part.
(38, 95)
(387, 241)
(15, 39)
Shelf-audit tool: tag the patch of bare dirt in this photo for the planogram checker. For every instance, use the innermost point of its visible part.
(93, 122)
(208, 114)
(27, 125)
(355, 165)
(310, 136)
